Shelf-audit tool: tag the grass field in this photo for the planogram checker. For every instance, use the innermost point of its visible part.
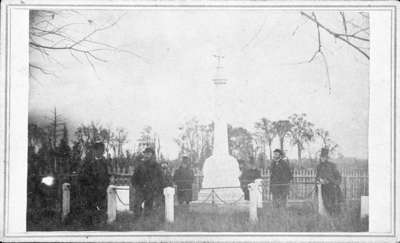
(300, 218)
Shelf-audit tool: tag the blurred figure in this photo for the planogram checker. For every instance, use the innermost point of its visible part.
(330, 179)
(281, 175)
(147, 181)
(167, 181)
(183, 179)
(249, 174)
(93, 181)
(167, 175)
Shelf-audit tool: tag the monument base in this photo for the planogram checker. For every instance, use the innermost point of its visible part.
(221, 195)
(220, 200)
(219, 208)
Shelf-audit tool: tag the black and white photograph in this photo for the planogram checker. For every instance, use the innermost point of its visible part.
(264, 107)
(201, 120)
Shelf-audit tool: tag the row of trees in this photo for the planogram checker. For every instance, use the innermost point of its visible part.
(297, 129)
(50, 147)
(195, 139)
(52, 143)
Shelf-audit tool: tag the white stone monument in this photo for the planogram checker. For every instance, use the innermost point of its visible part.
(221, 185)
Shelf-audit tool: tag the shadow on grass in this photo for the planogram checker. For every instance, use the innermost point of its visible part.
(301, 218)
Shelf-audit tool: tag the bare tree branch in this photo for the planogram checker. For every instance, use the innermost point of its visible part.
(328, 77)
(354, 36)
(319, 51)
(364, 15)
(86, 52)
(361, 30)
(97, 30)
(344, 24)
(336, 35)
(46, 37)
(255, 34)
(42, 70)
(298, 27)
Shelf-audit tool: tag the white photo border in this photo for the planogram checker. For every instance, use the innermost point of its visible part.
(5, 98)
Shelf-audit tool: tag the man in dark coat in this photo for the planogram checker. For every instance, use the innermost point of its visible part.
(93, 181)
(330, 179)
(183, 179)
(147, 181)
(281, 175)
(249, 174)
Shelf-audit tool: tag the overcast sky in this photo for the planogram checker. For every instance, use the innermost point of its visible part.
(171, 81)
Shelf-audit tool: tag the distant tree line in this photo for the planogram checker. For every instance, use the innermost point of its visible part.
(50, 146)
(195, 139)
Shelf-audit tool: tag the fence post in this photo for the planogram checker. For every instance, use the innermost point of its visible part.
(364, 207)
(66, 199)
(111, 204)
(169, 193)
(321, 208)
(267, 186)
(253, 191)
(259, 186)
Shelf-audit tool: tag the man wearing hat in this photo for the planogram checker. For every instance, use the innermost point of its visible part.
(183, 179)
(147, 181)
(330, 179)
(94, 180)
(281, 175)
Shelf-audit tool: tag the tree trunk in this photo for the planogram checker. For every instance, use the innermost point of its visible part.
(270, 151)
(298, 153)
(282, 140)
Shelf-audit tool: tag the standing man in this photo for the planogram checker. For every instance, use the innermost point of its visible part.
(94, 180)
(281, 175)
(183, 179)
(330, 179)
(147, 181)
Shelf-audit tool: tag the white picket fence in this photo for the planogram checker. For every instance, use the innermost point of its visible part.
(354, 184)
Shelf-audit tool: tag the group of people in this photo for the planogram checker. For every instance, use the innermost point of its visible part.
(150, 178)
(327, 175)
(148, 181)
(281, 175)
